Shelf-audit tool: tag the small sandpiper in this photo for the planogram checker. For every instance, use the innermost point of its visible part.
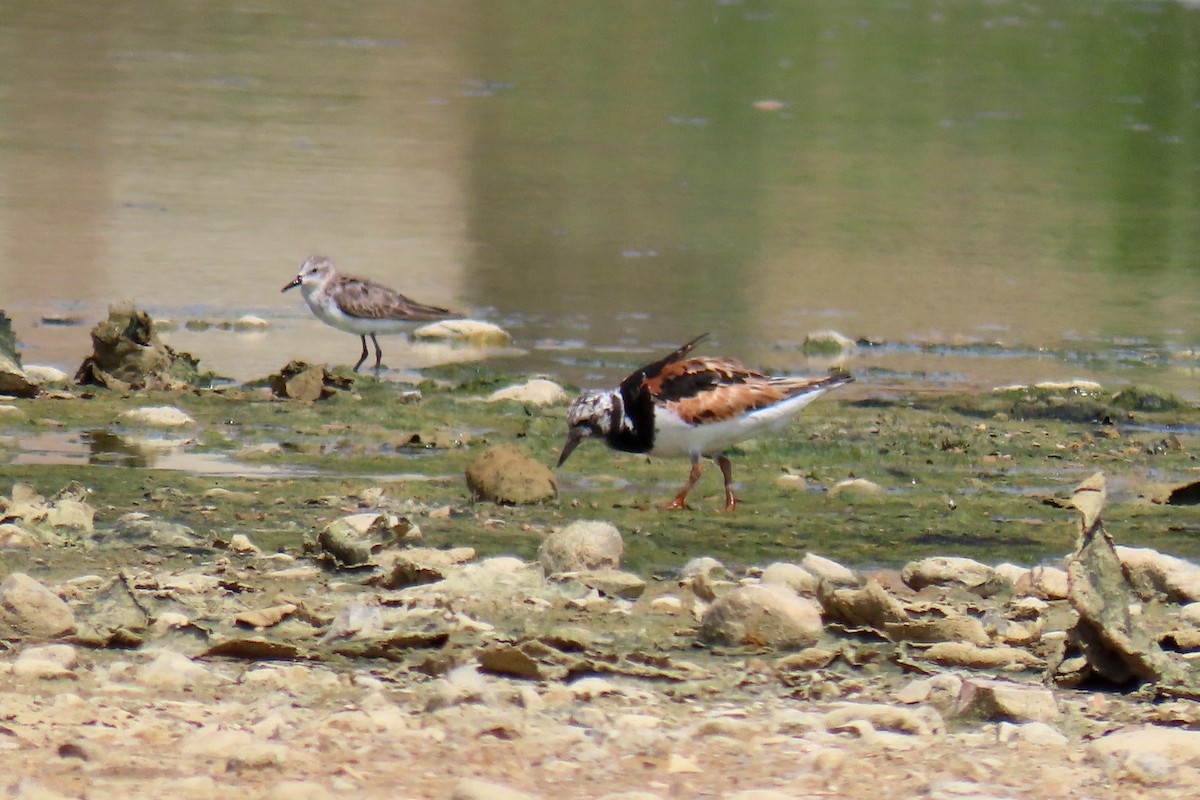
(694, 407)
(360, 306)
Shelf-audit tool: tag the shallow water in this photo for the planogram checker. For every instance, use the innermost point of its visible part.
(608, 180)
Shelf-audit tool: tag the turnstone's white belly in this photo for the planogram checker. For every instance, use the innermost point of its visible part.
(675, 437)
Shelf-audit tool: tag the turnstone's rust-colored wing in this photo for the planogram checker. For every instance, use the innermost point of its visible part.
(359, 297)
(635, 383)
(702, 390)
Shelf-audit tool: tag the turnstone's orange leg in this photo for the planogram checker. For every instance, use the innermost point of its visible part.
(363, 357)
(693, 476)
(731, 501)
(378, 351)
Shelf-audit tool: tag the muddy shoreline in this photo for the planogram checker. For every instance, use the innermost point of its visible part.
(213, 640)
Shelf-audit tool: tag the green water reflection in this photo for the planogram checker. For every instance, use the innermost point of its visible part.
(618, 172)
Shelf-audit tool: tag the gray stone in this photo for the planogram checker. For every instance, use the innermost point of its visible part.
(793, 576)
(987, 699)
(829, 570)
(947, 571)
(765, 616)
(582, 546)
(535, 392)
(156, 417)
(30, 609)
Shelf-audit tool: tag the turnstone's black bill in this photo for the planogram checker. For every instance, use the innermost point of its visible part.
(695, 407)
(359, 306)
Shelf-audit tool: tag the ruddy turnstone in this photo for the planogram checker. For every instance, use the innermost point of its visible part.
(359, 306)
(695, 407)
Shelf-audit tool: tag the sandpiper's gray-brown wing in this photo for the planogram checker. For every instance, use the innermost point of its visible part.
(360, 297)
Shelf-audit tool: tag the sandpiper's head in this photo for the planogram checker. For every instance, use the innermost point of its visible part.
(590, 414)
(313, 272)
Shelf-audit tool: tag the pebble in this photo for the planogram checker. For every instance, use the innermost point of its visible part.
(156, 417)
(535, 392)
(472, 331)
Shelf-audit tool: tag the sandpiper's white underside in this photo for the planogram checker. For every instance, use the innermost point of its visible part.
(325, 306)
(674, 437)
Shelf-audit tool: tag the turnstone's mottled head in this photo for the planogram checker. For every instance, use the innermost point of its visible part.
(314, 271)
(590, 414)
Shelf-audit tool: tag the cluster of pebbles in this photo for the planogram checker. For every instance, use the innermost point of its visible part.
(374, 665)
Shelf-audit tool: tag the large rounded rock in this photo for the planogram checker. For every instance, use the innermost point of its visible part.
(504, 474)
(582, 546)
(769, 616)
(29, 608)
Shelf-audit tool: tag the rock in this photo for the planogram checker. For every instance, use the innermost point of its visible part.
(504, 474)
(535, 392)
(1038, 734)
(14, 536)
(420, 565)
(470, 331)
(249, 322)
(701, 565)
(240, 543)
(174, 671)
(827, 343)
(918, 722)
(1155, 574)
(305, 382)
(13, 379)
(138, 528)
(763, 616)
(805, 660)
(46, 376)
(1045, 583)
(793, 576)
(612, 583)
(584, 545)
(127, 354)
(955, 628)
(156, 417)
(476, 789)
(950, 571)
(856, 489)
(11, 413)
(828, 570)
(46, 661)
(870, 606)
(987, 699)
(968, 654)
(30, 609)
(1177, 744)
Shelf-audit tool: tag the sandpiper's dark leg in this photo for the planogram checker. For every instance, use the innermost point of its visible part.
(727, 471)
(693, 476)
(363, 357)
(378, 352)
